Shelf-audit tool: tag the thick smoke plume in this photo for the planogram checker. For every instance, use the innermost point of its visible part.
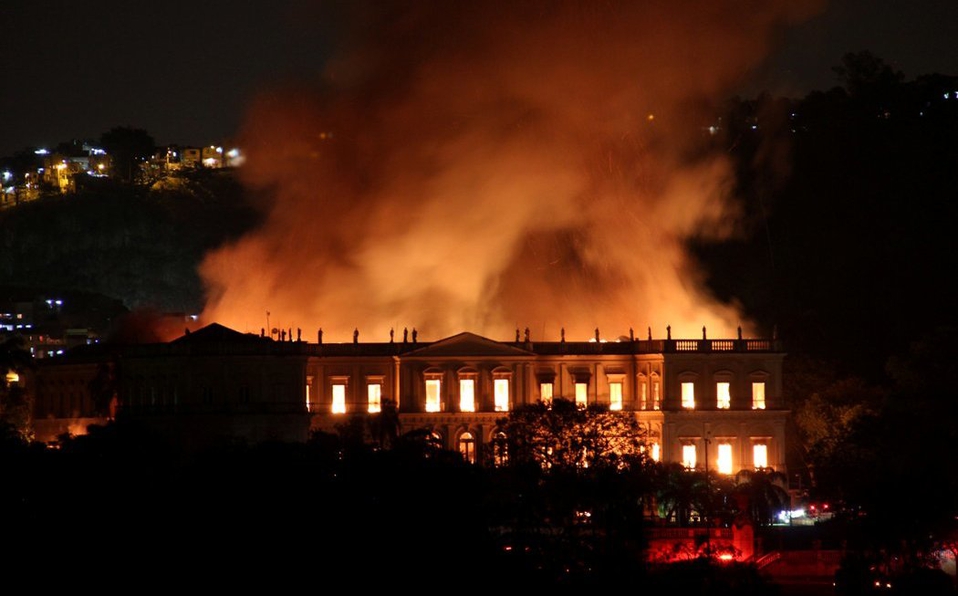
(488, 166)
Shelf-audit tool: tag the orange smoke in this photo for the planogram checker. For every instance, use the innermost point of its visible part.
(485, 166)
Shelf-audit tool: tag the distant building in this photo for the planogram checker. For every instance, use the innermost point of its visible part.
(61, 169)
(191, 157)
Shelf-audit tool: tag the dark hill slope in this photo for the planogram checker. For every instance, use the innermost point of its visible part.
(141, 246)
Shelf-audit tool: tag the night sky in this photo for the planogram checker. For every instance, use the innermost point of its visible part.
(183, 71)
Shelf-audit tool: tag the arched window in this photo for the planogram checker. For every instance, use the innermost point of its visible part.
(467, 447)
(656, 391)
(642, 386)
(434, 444)
(500, 448)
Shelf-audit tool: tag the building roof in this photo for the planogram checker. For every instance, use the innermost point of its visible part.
(468, 344)
(214, 332)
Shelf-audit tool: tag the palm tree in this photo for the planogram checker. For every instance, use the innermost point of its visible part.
(763, 493)
(680, 493)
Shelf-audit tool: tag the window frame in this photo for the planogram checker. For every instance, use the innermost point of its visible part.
(374, 381)
(468, 380)
(432, 378)
(616, 402)
(334, 383)
(722, 466)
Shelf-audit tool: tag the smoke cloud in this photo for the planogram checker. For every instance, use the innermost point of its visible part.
(486, 166)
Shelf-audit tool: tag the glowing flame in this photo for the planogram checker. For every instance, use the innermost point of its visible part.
(484, 166)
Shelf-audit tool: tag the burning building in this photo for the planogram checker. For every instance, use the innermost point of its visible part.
(714, 403)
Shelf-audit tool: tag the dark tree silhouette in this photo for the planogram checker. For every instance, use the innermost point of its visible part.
(864, 72)
(15, 406)
(127, 147)
(764, 493)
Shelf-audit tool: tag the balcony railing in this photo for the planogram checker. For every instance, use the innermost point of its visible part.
(721, 345)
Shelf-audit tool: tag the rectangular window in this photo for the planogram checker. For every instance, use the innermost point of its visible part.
(688, 456)
(433, 387)
(309, 401)
(374, 397)
(581, 394)
(339, 398)
(656, 396)
(723, 397)
(545, 393)
(758, 395)
(760, 455)
(501, 390)
(724, 464)
(467, 395)
(688, 396)
(644, 395)
(615, 396)
(656, 452)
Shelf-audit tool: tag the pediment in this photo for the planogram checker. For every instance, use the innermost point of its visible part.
(214, 332)
(469, 344)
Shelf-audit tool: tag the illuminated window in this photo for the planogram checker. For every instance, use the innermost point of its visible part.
(615, 396)
(724, 464)
(688, 456)
(467, 395)
(760, 455)
(501, 390)
(644, 395)
(656, 395)
(339, 398)
(656, 452)
(581, 394)
(374, 397)
(467, 447)
(309, 401)
(545, 393)
(758, 395)
(688, 396)
(723, 398)
(500, 449)
(433, 387)
(434, 443)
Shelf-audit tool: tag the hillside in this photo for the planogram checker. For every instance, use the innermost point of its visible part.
(140, 246)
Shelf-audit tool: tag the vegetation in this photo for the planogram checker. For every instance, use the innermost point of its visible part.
(15, 407)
